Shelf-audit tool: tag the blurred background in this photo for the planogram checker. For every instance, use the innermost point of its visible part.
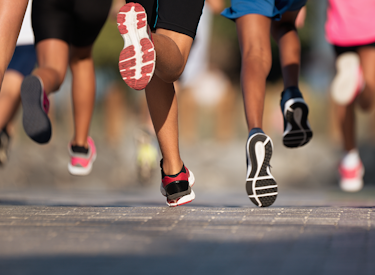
(212, 123)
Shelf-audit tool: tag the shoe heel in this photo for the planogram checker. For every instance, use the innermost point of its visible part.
(177, 189)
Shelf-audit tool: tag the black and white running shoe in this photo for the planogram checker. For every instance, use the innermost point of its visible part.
(260, 184)
(297, 131)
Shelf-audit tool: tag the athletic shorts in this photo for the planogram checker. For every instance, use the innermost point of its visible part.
(23, 60)
(77, 22)
(340, 50)
(180, 16)
(269, 8)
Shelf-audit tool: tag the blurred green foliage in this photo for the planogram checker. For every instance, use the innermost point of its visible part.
(108, 46)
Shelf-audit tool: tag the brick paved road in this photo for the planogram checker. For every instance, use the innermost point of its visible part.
(56, 232)
(52, 223)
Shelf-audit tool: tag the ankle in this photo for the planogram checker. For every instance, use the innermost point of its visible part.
(79, 143)
(172, 167)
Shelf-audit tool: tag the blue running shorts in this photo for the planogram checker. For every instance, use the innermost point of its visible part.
(270, 8)
(23, 60)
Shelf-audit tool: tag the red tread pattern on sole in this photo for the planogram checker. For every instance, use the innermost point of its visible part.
(126, 75)
(146, 45)
(120, 20)
(127, 53)
(127, 64)
(138, 7)
(147, 69)
(141, 22)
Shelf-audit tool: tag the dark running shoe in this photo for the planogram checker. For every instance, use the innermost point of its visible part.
(260, 184)
(4, 146)
(177, 188)
(297, 131)
(35, 106)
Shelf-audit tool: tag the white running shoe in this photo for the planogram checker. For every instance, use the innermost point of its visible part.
(351, 172)
(348, 82)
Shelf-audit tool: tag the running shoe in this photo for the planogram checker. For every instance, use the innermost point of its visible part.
(137, 59)
(81, 158)
(35, 106)
(4, 146)
(260, 184)
(351, 175)
(297, 131)
(348, 82)
(177, 188)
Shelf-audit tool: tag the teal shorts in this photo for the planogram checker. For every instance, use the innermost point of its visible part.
(269, 8)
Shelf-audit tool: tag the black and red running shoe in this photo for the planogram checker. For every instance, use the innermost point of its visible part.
(177, 188)
(137, 59)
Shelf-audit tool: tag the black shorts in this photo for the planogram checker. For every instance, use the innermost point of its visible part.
(77, 22)
(180, 16)
(340, 50)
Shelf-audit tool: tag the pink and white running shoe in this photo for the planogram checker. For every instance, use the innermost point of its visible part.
(351, 178)
(81, 159)
(137, 59)
(177, 188)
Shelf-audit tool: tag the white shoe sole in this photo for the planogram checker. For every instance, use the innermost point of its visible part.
(345, 85)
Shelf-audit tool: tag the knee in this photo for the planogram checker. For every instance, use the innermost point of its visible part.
(257, 56)
(170, 78)
(170, 75)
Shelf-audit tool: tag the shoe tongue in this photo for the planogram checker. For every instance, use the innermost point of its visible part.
(79, 149)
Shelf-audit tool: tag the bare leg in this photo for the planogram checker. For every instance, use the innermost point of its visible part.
(367, 59)
(285, 34)
(53, 59)
(346, 119)
(253, 34)
(9, 96)
(172, 50)
(83, 90)
(11, 16)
